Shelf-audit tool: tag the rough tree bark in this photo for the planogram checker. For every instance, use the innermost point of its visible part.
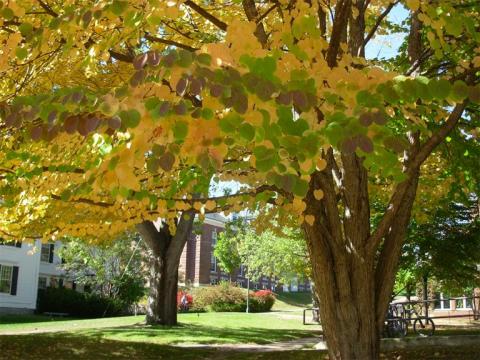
(354, 266)
(166, 251)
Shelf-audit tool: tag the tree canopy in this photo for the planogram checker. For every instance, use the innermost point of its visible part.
(115, 112)
(249, 107)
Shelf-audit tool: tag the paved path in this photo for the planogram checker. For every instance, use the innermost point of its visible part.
(297, 344)
(317, 343)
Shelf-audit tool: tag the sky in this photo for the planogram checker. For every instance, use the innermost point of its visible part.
(386, 46)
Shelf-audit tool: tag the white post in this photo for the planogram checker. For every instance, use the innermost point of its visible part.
(248, 294)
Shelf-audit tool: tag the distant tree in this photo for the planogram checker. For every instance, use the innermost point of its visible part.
(283, 255)
(446, 247)
(226, 248)
(114, 270)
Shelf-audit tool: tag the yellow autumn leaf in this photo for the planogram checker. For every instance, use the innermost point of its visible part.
(210, 205)
(413, 4)
(321, 164)
(309, 219)
(318, 194)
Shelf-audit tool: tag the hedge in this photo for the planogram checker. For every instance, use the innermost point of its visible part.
(83, 305)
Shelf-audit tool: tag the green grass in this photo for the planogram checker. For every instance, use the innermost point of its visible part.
(128, 338)
(203, 328)
(292, 301)
(32, 323)
(73, 346)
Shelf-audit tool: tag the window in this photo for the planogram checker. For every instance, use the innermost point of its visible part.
(442, 304)
(213, 259)
(4, 242)
(8, 279)
(464, 304)
(42, 282)
(47, 253)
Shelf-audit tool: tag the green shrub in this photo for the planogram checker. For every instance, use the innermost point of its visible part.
(221, 298)
(83, 305)
(226, 297)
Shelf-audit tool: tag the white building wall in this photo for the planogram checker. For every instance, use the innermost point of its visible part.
(27, 258)
(51, 269)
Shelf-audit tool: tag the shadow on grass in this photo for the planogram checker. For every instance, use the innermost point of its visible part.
(201, 334)
(73, 346)
(23, 319)
(78, 346)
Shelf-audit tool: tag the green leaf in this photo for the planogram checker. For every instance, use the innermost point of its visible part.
(366, 99)
(459, 90)
(266, 158)
(112, 164)
(247, 131)
(118, 7)
(204, 59)
(25, 29)
(21, 53)
(207, 113)
(300, 188)
(152, 103)
(180, 130)
(439, 89)
(7, 13)
(130, 118)
(230, 122)
(185, 58)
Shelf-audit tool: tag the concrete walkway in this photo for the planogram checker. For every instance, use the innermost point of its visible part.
(317, 343)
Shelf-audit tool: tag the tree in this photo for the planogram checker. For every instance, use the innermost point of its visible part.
(115, 270)
(276, 95)
(446, 248)
(226, 247)
(283, 255)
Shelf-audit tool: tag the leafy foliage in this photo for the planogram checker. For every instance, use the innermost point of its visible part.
(74, 303)
(114, 270)
(283, 255)
(446, 248)
(226, 297)
(117, 112)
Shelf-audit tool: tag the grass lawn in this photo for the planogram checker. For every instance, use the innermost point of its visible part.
(73, 346)
(42, 337)
(292, 301)
(128, 337)
(203, 328)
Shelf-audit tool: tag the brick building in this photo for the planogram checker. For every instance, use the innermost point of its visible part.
(198, 265)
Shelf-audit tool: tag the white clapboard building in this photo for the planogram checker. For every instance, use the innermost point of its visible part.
(24, 268)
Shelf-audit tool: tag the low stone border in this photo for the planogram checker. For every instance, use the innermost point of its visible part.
(413, 342)
(418, 341)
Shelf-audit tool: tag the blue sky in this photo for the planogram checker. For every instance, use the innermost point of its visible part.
(386, 46)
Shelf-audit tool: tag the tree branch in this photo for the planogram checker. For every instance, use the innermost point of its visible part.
(424, 151)
(342, 12)
(169, 42)
(120, 57)
(252, 15)
(201, 11)
(47, 8)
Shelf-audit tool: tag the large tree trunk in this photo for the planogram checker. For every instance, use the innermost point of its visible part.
(166, 251)
(353, 294)
(347, 303)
